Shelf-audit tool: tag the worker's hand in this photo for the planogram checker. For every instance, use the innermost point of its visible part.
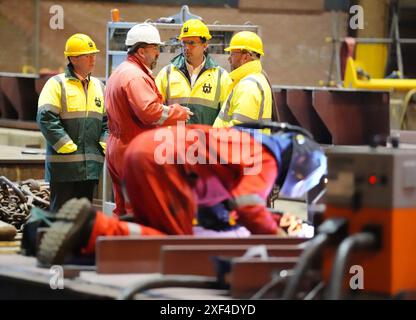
(104, 146)
(187, 113)
(68, 147)
(290, 223)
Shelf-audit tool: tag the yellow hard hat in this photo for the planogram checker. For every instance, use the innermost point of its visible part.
(246, 40)
(79, 44)
(194, 28)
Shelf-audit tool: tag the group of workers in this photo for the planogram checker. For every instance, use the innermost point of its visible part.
(191, 97)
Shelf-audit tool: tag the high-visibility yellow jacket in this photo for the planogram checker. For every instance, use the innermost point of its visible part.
(66, 113)
(204, 98)
(249, 98)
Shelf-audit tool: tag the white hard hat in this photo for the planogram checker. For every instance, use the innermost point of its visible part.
(143, 32)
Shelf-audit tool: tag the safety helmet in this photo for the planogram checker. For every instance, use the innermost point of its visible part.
(79, 44)
(194, 28)
(308, 164)
(246, 40)
(143, 32)
(301, 161)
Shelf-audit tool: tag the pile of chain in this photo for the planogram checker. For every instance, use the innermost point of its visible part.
(17, 199)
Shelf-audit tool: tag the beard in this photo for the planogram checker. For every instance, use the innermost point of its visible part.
(153, 64)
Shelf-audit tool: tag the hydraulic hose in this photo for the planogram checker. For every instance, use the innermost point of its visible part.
(327, 231)
(314, 247)
(276, 280)
(363, 240)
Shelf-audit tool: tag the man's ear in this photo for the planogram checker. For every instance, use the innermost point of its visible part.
(139, 52)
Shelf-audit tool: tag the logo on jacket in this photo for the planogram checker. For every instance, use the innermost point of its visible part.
(97, 102)
(206, 88)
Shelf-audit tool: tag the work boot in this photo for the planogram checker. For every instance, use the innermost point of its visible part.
(7, 231)
(68, 234)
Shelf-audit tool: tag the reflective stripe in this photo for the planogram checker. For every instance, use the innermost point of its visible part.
(167, 82)
(59, 79)
(82, 114)
(134, 228)
(164, 116)
(61, 142)
(65, 114)
(262, 95)
(218, 92)
(249, 200)
(242, 118)
(51, 108)
(223, 115)
(192, 100)
(75, 157)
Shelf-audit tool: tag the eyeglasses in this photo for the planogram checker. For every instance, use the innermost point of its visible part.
(190, 43)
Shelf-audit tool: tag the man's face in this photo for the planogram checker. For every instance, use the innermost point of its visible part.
(193, 49)
(150, 53)
(84, 64)
(237, 58)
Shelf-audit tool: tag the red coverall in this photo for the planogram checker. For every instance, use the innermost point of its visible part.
(134, 105)
(165, 197)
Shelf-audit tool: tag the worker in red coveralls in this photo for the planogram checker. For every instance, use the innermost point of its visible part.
(134, 103)
(170, 171)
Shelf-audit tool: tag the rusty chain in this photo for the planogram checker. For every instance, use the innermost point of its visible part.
(17, 199)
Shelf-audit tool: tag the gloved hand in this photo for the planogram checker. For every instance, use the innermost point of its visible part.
(290, 223)
(103, 145)
(68, 147)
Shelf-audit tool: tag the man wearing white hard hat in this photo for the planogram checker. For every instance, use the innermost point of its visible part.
(133, 102)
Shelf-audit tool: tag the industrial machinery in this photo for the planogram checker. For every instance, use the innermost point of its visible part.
(374, 189)
(366, 241)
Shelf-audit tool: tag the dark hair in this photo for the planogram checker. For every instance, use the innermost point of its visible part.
(133, 49)
(252, 53)
(203, 39)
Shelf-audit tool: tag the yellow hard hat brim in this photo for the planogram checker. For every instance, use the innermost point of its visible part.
(207, 37)
(75, 54)
(243, 48)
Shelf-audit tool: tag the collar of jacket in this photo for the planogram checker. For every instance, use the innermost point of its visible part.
(133, 59)
(246, 69)
(179, 63)
(70, 74)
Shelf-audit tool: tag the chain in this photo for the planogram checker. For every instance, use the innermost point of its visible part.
(17, 199)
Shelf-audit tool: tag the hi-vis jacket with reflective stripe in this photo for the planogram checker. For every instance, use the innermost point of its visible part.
(204, 98)
(65, 113)
(249, 99)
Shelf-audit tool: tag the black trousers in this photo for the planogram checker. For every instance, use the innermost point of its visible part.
(61, 192)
